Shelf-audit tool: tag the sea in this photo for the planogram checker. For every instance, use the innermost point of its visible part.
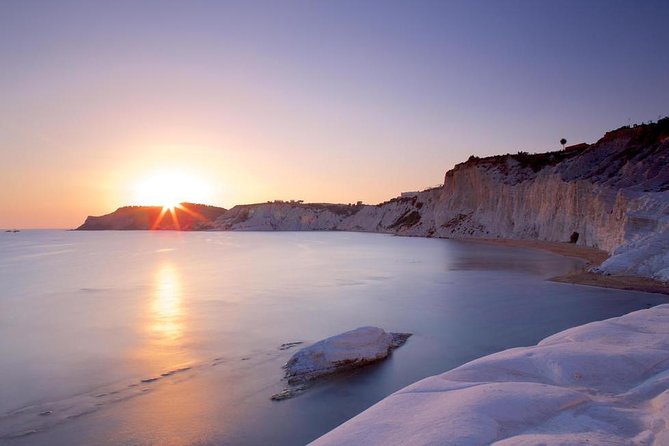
(178, 338)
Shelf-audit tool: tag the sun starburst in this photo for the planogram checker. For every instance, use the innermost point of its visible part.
(171, 190)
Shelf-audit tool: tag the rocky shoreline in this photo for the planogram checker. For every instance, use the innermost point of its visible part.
(598, 384)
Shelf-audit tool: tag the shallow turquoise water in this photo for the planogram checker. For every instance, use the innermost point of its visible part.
(90, 321)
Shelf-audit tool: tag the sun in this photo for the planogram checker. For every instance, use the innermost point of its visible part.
(170, 188)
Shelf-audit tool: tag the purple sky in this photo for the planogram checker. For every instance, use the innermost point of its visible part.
(322, 101)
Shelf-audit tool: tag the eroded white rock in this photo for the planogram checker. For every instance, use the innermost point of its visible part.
(602, 383)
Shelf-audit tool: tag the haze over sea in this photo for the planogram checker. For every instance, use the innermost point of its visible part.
(173, 338)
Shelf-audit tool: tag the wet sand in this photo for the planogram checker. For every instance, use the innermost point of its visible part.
(592, 257)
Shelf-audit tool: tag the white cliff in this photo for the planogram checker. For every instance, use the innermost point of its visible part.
(285, 216)
(612, 195)
(602, 383)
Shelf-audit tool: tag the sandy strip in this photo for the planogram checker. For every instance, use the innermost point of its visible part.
(632, 283)
(593, 257)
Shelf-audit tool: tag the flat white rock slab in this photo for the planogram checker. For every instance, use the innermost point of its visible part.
(603, 383)
(348, 350)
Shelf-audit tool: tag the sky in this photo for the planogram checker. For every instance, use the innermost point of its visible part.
(337, 101)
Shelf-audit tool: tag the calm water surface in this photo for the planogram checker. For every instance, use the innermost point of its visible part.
(167, 338)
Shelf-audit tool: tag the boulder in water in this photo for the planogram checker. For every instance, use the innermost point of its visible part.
(348, 350)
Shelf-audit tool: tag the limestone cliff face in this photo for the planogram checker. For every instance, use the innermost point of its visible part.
(611, 195)
(475, 203)
(406, 216)
(644, 250)
(285, 216)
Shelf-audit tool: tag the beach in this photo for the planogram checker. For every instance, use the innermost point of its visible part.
(593, 257)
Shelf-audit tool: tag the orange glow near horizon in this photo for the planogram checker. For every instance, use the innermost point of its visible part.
(170, 188)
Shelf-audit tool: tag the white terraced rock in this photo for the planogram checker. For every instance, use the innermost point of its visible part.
(645, 251)
(354, 348)
(603, 383)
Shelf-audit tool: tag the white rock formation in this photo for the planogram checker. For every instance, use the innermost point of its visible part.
(604, 383)
(645, 248)
(614, 195)
(348, 350)
(285, 216)
(625, 216)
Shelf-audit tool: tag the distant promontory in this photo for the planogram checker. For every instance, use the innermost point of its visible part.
(186, 217)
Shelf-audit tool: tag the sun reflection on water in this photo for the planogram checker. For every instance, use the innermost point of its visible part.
(166, 306)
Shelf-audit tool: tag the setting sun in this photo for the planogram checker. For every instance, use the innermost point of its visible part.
(168, 189)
